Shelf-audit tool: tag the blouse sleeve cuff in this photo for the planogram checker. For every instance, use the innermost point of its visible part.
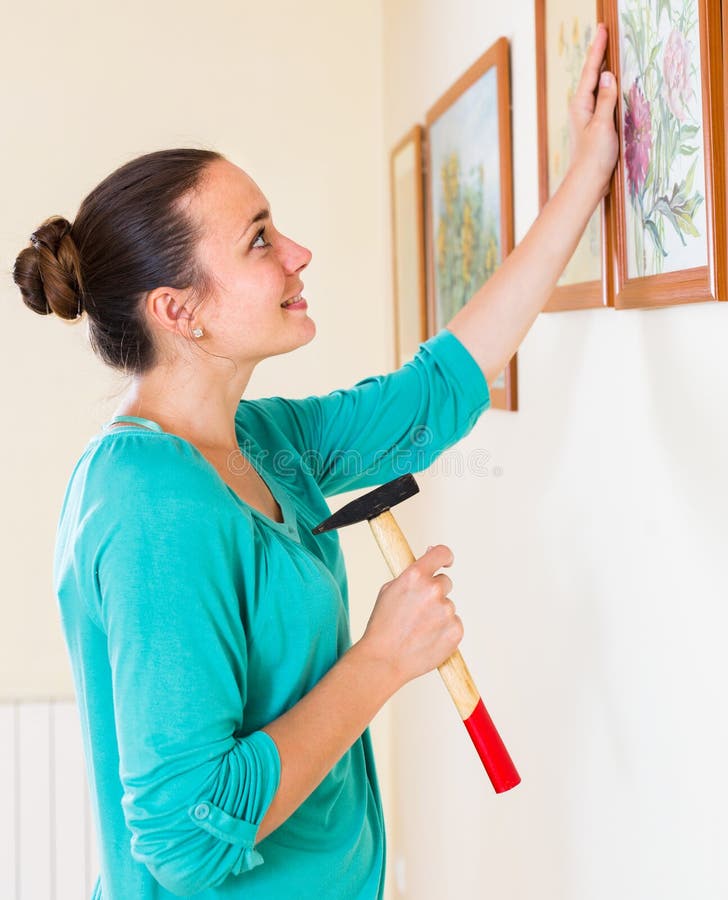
(455, 358)
(238, 823)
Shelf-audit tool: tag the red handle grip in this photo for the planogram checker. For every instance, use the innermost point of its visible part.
(491, 749)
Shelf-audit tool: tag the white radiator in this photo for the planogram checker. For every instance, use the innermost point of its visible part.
(47, 842)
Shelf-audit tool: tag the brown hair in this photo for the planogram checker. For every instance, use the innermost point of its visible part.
(130, 235)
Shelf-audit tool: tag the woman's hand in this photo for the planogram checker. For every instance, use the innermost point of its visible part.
(413, 627)
(594, 139)
(495, 320)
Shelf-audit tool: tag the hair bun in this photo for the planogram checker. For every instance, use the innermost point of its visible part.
(48, 272)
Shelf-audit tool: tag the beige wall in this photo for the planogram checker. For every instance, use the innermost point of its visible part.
(590, 576)
(290, 91)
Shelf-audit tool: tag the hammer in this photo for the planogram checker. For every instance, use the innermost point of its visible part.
(375, 508)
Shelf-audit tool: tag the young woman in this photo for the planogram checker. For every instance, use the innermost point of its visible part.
(224, 710)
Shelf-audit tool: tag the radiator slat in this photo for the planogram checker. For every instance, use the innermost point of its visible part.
(47, 839)
(8, 791)
(34, 781)
(70, 804)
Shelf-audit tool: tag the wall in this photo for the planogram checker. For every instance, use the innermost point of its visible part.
(289, 91)
(291, 95)
(589, 574)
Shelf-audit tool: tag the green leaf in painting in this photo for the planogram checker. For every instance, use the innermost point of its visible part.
(654, 234)
(698, 200)
(655, 161)
(686, 223)
(631, 40)
(629, 20)
(663, 207)
(650, 178)
(688, 207)
(690, 177)
(687, 150)
(655, 51)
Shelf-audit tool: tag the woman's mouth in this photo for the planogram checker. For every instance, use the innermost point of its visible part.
(297, 302)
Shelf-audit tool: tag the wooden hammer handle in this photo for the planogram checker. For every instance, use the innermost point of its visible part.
(454, 672)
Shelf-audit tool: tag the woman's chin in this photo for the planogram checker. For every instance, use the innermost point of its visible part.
(309, 329)
(305, 333)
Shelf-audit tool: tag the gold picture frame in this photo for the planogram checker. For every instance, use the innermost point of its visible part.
(469, 195)
(564, 31)
(408, 245)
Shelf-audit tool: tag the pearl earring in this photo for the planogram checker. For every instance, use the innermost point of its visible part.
(198, 332)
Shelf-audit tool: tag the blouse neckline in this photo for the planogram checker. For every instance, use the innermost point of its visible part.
(289, 524)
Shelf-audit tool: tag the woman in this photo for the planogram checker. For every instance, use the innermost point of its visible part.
(223, 708)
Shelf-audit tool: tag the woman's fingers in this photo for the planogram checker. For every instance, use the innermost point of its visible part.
(413, 625)
(593, 138)
(606, 98)
(434, 558)
(583, 100)
(444, 582)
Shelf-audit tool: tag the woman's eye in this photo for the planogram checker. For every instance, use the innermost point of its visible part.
(260, 236)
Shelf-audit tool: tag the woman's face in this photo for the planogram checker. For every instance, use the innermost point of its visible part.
(254, 266)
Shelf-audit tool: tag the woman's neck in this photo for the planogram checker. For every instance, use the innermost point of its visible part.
(197, 405)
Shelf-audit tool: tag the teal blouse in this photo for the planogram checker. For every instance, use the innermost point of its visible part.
(192, 620)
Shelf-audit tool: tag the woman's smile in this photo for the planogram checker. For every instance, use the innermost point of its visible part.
(297, 302)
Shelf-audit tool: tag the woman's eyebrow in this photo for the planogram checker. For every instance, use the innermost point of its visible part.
(258, 217)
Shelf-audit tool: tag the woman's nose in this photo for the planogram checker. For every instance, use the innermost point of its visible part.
(295, 256)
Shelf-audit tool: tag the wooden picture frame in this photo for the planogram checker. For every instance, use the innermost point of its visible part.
(693, 268)
(724, 51)
(564, 31)
(408, 244)
(469, 196)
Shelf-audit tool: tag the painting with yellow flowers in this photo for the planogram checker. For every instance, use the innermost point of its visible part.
(470, 195)
(564, 31)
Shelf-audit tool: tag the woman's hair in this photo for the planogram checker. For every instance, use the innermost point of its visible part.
(131, 235)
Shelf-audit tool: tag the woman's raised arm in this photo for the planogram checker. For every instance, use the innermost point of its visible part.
(498, 316)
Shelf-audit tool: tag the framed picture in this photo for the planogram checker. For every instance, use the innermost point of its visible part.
(724, 10)
(667, 215)
(408, 245)
(470, 195)
(564, 32)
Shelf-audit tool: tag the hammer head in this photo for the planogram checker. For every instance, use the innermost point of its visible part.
(372, 504)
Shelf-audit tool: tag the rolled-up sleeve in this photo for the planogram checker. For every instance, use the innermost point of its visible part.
(196, 783)
(387, 425)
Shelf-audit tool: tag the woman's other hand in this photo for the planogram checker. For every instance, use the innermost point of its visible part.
(594, 139)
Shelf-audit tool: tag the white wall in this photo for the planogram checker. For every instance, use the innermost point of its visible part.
(590, 575)
(291, 92)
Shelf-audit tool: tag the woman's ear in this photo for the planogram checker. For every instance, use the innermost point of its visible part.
(166, 307)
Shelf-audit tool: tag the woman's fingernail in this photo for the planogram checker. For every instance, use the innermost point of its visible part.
(606, 79)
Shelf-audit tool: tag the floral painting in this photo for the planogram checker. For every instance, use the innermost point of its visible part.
(662, 129)
(465, 191)
(568, 36)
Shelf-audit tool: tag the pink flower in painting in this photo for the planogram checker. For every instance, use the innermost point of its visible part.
(676, 72)
(637, 138)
